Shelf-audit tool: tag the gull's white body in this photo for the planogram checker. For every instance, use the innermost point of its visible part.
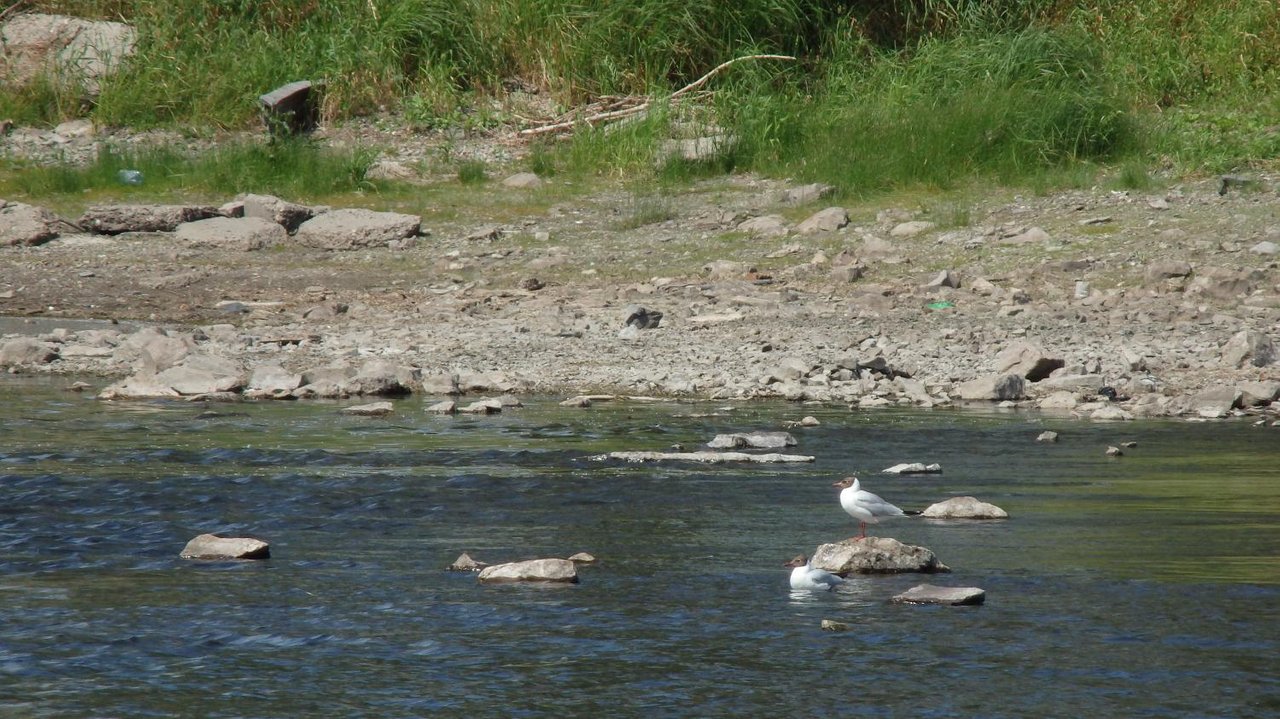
(864, 506)
(805, 576)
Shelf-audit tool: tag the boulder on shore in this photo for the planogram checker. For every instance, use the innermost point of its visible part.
(532, 570)
(351, 229)
(116, 219)
(69, 49)
(26, 224)
(996, 388)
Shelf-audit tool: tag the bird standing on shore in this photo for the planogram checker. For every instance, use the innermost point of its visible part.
(805, 576)
(864, 506)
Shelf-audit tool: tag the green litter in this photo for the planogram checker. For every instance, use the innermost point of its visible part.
(940, 305)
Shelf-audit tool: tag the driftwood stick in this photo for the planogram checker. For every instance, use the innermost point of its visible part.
(643, 106)
(590, 119)
(703, 80)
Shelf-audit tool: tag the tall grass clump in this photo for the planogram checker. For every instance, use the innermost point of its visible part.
(1202, 77)
(1001, 105)
(204, 62)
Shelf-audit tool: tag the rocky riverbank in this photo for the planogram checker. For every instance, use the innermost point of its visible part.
(1108, 304)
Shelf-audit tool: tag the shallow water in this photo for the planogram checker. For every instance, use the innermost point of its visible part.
(1147, 585)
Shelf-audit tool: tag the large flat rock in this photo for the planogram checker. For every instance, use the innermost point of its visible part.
(115, 219)
(952, 596)
(533, 570)
(352, 229)
(875, 555)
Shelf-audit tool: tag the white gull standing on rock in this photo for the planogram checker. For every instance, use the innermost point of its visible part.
(864, 506)
(805, 576)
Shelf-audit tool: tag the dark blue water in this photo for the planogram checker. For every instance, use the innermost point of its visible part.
(1147, 585)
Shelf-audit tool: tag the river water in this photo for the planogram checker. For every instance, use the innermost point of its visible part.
(1141, 586)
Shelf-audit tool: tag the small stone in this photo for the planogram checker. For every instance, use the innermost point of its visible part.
(532, 284)
(523, 181)
(831, 625)
(1114, 451)
(583, 558)
(464, 563)
(641, 318)
(1265, 248)
(1047, 437)
(911, 229)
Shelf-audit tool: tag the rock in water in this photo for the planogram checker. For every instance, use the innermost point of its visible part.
(757, 440)
(875, 555)
(373, 409)
(212, 546)
(953, 596)
(464, 563)
(533, 570)
(913, 468)
(964, 508)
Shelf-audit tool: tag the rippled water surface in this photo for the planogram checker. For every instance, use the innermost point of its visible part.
(1147, 585)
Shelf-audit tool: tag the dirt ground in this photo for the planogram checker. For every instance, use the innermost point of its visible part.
(499, 270)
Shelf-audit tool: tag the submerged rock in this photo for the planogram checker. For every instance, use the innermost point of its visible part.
(533, 570)
(952, 596)
(212, 546)
(913, 468)
(964, 508)
(373, 409)
(755, 440)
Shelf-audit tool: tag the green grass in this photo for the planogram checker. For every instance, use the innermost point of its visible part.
(473, 172)
(883, 95)
(292, 169)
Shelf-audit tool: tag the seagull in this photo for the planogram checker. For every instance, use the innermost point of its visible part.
(805, 576)
(863, 505)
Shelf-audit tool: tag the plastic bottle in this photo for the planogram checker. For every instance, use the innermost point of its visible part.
(129, 177)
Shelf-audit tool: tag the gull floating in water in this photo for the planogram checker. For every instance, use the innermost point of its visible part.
(805, 576)
(864, 506)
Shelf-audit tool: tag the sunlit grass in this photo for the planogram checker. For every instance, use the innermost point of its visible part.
(294, 169)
